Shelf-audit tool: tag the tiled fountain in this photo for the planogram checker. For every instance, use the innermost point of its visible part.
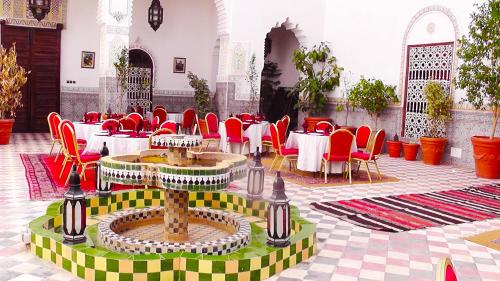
(181, 227)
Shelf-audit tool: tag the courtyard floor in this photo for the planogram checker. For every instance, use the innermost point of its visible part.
(344, 251)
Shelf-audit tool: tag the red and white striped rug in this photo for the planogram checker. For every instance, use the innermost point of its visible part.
(414, 211)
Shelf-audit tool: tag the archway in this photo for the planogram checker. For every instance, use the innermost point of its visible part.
(279, 75)
(140, 79)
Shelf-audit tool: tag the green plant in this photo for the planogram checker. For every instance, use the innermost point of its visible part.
(319, 74)
(12, 78)
(479, 73)
(346, 88)
(373, 96)
(201, 93)
(122, 68)
(251, 78)
(439, 105)
(268, 86)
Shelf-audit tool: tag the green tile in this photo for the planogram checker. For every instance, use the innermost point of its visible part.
(286, 263)
(80, 271)
(243, 265)
(204, 277)
(58, 249)
(39, 251)
(154, 276)
(112, 265)
(232, 277)
(167, 265)
(140, 266)
(100, 275)
(264, 261)
(125, 277)
(66, 264)
(255, 274)
(218, 266)
(192, 265)
(89, 261)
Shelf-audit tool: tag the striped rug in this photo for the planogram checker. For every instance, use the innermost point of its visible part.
(414, 211)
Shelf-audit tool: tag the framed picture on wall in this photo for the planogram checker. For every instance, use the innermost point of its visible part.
(88, 59)
(179, 65)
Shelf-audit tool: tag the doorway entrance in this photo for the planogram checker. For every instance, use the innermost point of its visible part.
(38, 51)
(140, 80)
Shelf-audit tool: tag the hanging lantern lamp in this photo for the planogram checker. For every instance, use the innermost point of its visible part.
(278, 215)
(155, 15)
(103, 187)
(255, 183)
(74, 211)
(39, 8)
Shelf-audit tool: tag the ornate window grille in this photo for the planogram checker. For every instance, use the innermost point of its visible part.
(139, 87)
(424, 62)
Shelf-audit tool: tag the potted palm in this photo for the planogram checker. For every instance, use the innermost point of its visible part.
(319, 74)
(201, 97)
(479, 75)
(439, 105)
(12, 79)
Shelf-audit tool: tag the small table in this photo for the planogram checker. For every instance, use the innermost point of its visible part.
(86, 130)
(254, 132)
(117, 145)
(311, 147)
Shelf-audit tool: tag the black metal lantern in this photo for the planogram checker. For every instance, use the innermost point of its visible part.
(39, 8)
(74, 211)
(278, 215)
(103, 188)
(255, 183)
(155, 14)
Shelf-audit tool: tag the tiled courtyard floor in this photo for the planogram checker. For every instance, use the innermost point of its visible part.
(345, 251)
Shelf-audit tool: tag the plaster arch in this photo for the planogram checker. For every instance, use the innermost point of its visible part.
(138, 46)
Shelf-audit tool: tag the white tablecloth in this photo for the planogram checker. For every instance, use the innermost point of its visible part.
(85, 131)
(116, 146)
(311, 150)
(254, 133)
(177, 117)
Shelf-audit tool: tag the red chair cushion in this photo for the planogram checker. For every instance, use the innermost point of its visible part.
(267, 138)
(289, 151)
(361, 155)
(211, 136)
(237, 140)
(81, 142)
(335, 157)
(90, 156)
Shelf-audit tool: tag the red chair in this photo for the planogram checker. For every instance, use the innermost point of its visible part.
(363, 136)
(234, 133)
(323, 126)
(81, 142)
(169, 124)
(339, 150)
(286, 121)
(164, 131)
(445, 270)
(201, 125)
(160, 113)
(188, 119)
(136, 117)
(155, 123)
(54, 129)
(112, 125)
(373, 155)
(93, 116)
(159, 106)
(212, 128)
(56, 119)
(247, 117)
(127, 123)
(75, 156)
(281, 151)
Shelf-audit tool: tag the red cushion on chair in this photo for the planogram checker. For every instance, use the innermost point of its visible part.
(237, 140)
(361, 155)
(335, 157)
(267, 138)
(289, 151)
(211, 136)
(81, 142)
(90, 156)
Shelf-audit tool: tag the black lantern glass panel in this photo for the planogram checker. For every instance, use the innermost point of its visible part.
(155, 14)
(39, 8)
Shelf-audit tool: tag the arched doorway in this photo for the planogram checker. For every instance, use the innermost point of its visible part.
(279, 76)
(140, 79)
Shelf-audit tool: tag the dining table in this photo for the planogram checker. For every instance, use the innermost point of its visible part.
(311, 147)
(84, 130)
(253, 130)
(174, 116)
(119, 143)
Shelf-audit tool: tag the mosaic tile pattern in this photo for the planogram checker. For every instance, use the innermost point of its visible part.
(344, 251)
(176, 141)
(176, 213)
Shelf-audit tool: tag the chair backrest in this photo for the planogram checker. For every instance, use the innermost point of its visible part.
(164, 131)
(202, 126)
(275, 138)
(69, 139)
(93, 116)
(188, 118)
(127, 123)
(378, 142)
(169, 124)
(136, 117)
(56, 120)
(52, 129)
(340, 143)
(322, 126)
(246, 117)
(110, 124)
(280, 125)
(159, 106)
(445, 270)
(161, 113)
(286, 121)
(155, 123)
(234, 128)
(212, 122)
(362, 136)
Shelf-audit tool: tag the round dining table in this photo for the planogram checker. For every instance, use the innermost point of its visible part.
(311, 147)
(254, 132)
(118, 143)
(86, 130)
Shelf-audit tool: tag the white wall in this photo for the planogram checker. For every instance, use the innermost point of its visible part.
(80, 33)
(283, 45)
(189, 30)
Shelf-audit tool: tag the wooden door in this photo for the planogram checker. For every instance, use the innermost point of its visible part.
(38, 51)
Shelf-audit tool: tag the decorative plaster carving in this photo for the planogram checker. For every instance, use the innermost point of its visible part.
(16, 12)
(168, 92)
(79, 89)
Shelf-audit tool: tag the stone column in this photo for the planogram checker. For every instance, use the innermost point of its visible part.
(176, 215)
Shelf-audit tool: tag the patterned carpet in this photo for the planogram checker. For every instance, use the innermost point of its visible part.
(414, 211)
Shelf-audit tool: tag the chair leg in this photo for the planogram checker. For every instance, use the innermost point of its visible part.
(57, 156)
(274, 161)
(350, 176)
(368, 171)
(82, 173)
(324, 170)
(378, 171)
(63, 166)
(281, 165)
(52, 147)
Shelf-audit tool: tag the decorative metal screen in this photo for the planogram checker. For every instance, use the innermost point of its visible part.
(139, 87)
(424, 63)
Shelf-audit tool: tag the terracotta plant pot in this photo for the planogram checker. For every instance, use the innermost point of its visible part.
(410, 151)
(486, 156)
(5, 130)
(432, 150)
(394, 148)
(312, 121)
(350, 129)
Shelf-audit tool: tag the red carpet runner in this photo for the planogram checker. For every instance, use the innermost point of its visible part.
(42, 174)
(414, 211)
